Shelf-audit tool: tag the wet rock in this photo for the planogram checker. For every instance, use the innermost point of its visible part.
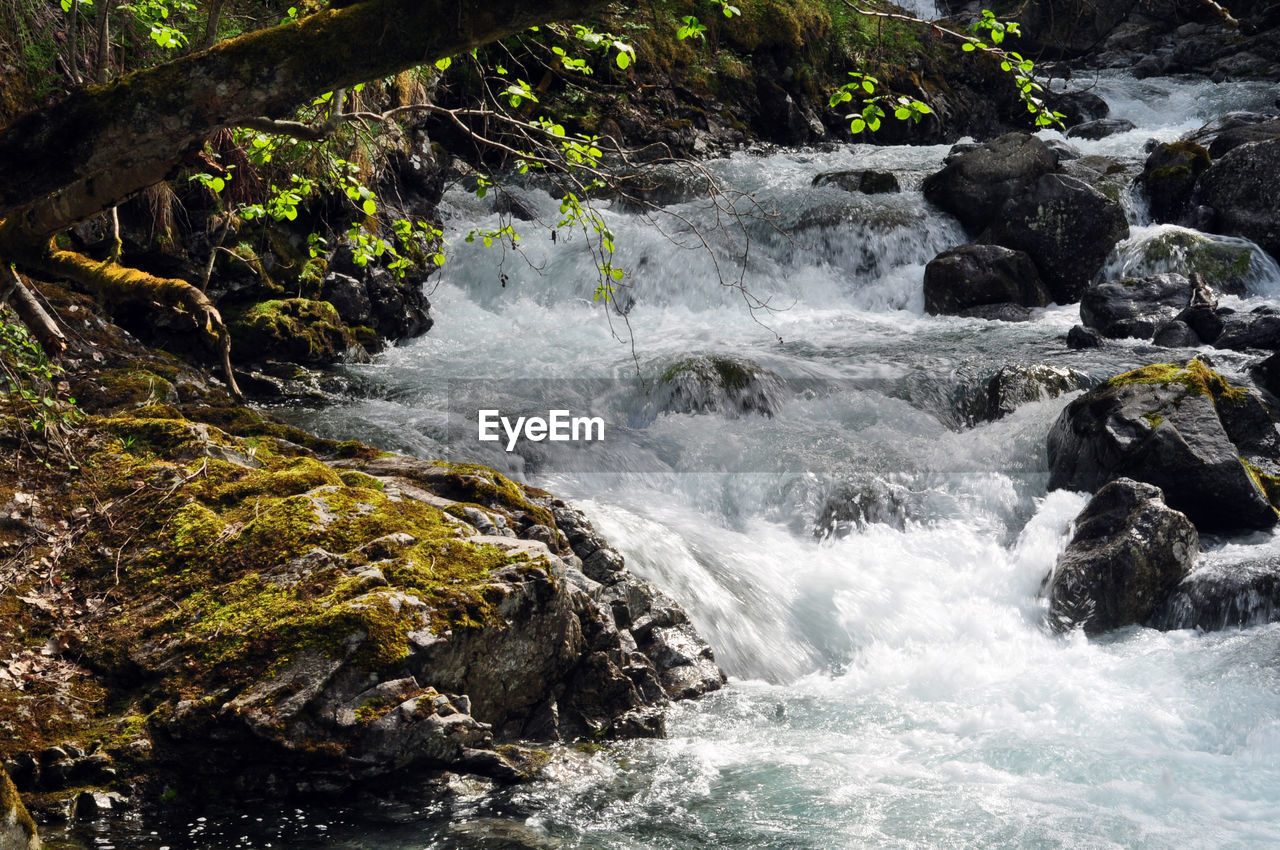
(1135, 307)
(1067, 227)
(1004, 312)
(1204, 321)
(717, 384)
(1063, 151)
(1228, 265)
(1014, 386)
(1233, 137)
(1080, 337)
(1128, 553)
(1077, 107)
(1208, 132)
(1183, 429)
(976, 185)
(865, 181)
(1169, 177)
(1101, 128)
(979, 275)
(17, 830)
(855, 505)
(348, 296)
(1253, 330)
(1240, 188)
(1176, 334)
(1223, 596)
(1267, 373)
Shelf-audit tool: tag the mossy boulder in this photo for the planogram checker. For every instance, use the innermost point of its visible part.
(1228, 265)
(731, 386)
(1209, 445)
(1128, 554)
(17, 830)
(295, 329)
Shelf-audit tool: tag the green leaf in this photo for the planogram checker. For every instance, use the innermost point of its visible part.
(623, 60)
(968, 47)
(443, 64)
(868, 86)
(857, 126)
(370, 207)
(902, 113)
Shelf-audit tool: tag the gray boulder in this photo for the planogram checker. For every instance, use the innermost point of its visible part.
(1223, 596)
(1066, 226)
(865, 181)
(975, 185)
(1241, 189)
(979, 275)
(1134, 307)
(1128, 553)
(1259, 329)
(1182, 429)
(1232, 138)
(1013, 386)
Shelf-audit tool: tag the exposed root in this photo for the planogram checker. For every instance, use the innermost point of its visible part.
(121, 284)
(34, 316)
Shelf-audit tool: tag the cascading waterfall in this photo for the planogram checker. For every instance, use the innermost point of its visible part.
(892, 684)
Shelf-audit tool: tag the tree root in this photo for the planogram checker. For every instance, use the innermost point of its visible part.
(113, 283)
(121, 284)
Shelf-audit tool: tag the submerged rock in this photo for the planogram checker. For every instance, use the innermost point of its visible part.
(866, 181)
(1209, 446)
(1128, 553)
(981, 275)
(717, 384)
(1013, 386)
(1223, 596)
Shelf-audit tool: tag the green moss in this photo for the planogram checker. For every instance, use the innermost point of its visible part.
(296, 329)
(1269, 484)
(123, 388)
(11, 807)
(353, 478)
(1195, 376)
(469, 482)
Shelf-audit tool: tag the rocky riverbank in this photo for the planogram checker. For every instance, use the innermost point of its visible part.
(200, 603)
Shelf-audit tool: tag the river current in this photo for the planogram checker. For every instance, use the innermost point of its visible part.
(892, 684)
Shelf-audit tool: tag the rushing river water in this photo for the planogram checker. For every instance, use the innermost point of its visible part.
(889, 686)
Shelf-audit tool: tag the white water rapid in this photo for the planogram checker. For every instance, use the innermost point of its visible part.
(892, 685)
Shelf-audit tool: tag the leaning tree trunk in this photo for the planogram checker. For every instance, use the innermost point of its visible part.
(102, 144)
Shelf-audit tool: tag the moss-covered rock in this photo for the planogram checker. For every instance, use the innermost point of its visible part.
(1183, 428)
(295, 329)
(1226, 264)
(717, 384)
(17, 830)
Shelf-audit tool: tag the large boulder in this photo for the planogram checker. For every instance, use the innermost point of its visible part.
(1067, 227)
(1257, 329)
(17, 830)
(1209, 446)
(1134, 307)
(979, 275)
(1223, 596)
(1241, 189)
(1232, 138)
(1169, 176)
(1227, 264)
(1128, 553)
(975, 185)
